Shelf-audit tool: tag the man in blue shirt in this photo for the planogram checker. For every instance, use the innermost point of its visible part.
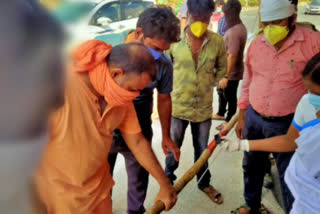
(157, 28)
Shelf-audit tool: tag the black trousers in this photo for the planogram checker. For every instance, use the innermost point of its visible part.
(228, 96)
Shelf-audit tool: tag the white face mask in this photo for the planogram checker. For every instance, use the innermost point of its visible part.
(18, 161)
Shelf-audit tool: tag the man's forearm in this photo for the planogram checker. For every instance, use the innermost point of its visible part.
(143, 152)
(232, 59)
(275, 144)
(165, 110)
(284, 143)
(242, 114)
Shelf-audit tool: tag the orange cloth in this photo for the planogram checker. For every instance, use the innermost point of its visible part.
(130, 38)
(74, 177)
(91, 57)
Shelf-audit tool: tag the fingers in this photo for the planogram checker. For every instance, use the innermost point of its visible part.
(175, 150)
(239, 131)
(165, 150)
(225, 139)
(176, 154)
(223, 86)
(225, 143)
(173, 200)
(170, 145)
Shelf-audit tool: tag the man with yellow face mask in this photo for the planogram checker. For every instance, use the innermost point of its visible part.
(199, 59)
(271, 90)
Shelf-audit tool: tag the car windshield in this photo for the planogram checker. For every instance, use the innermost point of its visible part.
(315, 2)
(72, 12)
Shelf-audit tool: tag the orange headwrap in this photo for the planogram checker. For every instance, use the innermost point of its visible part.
(130, 38)
(91, 57)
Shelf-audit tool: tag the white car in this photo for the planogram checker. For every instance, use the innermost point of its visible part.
(313, 7)
(101, 19)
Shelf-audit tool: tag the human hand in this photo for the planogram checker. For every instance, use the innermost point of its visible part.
(239, 128)
(168, 144)
(167, 195)
(235, 145)
(223, 83)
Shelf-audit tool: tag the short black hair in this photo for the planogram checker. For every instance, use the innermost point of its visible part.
(312, 69)
(132, 58)
(232, 6)
(200, 7)
(219, 2)
(159, 22)
(232, 10)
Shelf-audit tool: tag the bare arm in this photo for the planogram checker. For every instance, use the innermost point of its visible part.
(231, 59)
(221, 65)
(284, 143)
(243, 101)
(165, 109)
(240, 125)
(183, 23)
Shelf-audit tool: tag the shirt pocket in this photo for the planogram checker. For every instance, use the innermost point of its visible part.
(296, 68)
(296, 65)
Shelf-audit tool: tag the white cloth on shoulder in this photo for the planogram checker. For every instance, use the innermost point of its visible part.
(303, 173)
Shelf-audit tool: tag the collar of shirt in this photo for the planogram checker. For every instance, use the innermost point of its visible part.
(193, 86)
(205, 42)
(296, 36)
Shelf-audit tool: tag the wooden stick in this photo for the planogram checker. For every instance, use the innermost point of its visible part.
(188, 176)
(231, 123)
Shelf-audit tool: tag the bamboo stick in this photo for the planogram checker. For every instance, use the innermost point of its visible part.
(159, 206)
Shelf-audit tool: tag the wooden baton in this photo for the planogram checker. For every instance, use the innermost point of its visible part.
(159, 206)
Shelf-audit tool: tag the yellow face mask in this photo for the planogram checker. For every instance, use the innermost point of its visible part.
(275, 33)
(198, 28)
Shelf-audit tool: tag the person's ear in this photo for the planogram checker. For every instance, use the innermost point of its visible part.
(138, 34)
(116, 72)
(188, 18)
(294, 20)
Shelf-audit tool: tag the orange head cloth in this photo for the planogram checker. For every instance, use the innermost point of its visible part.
(130, 38)
(91, 57)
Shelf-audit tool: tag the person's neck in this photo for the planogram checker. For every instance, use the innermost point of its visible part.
(279, 45)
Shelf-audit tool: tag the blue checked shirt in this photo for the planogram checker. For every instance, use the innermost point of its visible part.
(222, 26)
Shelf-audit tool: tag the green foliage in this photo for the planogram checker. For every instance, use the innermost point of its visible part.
(249, 3)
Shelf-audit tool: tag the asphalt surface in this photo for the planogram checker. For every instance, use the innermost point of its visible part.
(225, 167)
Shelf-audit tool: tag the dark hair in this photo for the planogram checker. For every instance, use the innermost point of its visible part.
(219, 2)
(200, 7)
(125, 56)
(312, 69)
(232, 10)
(159, 22)
(294, 2)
